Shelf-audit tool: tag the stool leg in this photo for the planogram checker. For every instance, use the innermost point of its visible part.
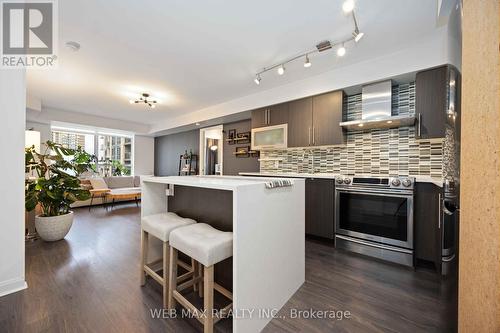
(200, 284)
(194, 266)
(165, 273)
(208, 299)
(144, 255)
(172, 277)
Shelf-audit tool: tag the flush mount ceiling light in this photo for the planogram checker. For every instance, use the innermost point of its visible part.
(145, 98)
(348, 8)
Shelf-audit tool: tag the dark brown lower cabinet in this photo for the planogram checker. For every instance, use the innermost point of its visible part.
(427, 224)
(320, 210)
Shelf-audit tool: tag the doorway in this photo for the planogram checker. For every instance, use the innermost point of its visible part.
(211, 146)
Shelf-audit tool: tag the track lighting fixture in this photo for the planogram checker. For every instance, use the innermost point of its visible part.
(307, 64)
(348, 8)
(257, 79)
(341, 50)
(357, 36)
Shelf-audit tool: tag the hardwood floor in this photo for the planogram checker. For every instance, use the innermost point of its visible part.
(89, 282)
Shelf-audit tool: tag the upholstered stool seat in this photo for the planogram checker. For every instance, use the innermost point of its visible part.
(160, 226)
(207, 246)
(203, 243)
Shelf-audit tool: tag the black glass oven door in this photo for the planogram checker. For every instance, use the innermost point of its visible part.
(385, 218)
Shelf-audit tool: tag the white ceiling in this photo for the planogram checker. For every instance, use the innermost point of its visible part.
(194, 54)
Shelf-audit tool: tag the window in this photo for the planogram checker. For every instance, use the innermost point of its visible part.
(114, 155)
(113, 151)
(74, 140)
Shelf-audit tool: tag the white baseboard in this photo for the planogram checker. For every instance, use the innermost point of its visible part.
(11, 286)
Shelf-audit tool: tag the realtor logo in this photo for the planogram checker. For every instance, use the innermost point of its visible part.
(28, 33)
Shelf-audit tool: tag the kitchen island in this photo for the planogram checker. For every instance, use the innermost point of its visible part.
(268, 263)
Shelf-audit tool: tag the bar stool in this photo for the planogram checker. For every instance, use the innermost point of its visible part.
(207, 246)
(160, 226)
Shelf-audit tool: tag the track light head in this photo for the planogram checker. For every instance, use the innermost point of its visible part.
(281, 70)
(348, 6)
(358, 35)
(341, 50)
(257, 79)
(307, 63)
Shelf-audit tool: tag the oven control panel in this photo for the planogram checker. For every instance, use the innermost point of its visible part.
(406, 183)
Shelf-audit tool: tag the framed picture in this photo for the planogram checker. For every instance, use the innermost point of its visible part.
(231, 135)
(244, 137)
(242, 151)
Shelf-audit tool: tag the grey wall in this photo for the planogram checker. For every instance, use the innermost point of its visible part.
(168, 148)
(232, 164)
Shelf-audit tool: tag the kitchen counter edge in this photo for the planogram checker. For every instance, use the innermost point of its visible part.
(420, 179)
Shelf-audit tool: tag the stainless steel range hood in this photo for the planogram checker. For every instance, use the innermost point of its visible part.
(377, 109)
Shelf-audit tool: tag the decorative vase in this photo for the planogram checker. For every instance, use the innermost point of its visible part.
(53, 228)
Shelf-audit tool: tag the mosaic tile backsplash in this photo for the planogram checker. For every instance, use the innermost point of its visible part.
(393, 152)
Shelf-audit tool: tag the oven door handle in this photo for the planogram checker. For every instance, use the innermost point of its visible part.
(379, 246)
(377, 192)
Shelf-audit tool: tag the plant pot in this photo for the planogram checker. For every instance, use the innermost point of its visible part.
(53, 228)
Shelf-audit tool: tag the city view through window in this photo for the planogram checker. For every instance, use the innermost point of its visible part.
(113, 152)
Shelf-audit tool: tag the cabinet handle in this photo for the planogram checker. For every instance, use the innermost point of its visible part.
(309, 140)
(314, 141)
(419, 128)
(268, 117)
(439, 213)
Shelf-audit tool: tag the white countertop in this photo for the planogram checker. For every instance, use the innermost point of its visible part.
(418, 178)
(216, 182)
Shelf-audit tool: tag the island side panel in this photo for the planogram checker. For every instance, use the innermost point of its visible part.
(153, 201)
(269, 249)
(211, 206)
(153, 198)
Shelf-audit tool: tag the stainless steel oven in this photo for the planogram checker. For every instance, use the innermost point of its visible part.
(374, 216)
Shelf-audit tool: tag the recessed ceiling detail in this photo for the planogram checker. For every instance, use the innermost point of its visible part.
(348, 8)
(146, 99)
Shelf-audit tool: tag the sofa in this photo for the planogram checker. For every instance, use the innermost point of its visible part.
(116, 184)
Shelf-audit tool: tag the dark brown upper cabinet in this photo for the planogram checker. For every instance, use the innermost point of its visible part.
(278, 114)
(270, 116)
(312, 121)
(430, 104)
(300, 122)
(259, 118)
(327, 114)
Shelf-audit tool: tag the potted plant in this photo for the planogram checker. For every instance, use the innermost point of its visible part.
(119, 169)
(55, 187)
